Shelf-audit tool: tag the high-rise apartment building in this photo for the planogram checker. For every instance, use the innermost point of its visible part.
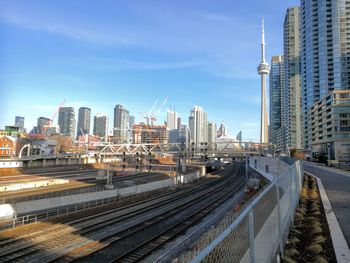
(325, 49)
(198, 123)
(43, 124)
(178, 122)
(84, 118)
(120, 124)
(131, 126)
(171, 120)
(292, 85)
(66, 121)
(101, 126)
(277, 103)
(329, 133)
(184, 134)
(211, 132)
(19, 122)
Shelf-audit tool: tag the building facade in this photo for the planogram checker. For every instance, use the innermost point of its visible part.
(329, 132)
(222, 131)
(277, 103)
(131, 126)
(101, 126)
(121, 124)
(325, 49)
(211, 132)
(292, 84)
(172, 121)
(84, 119)
(42, 125)
(7, 146)
(66, 121)
(150, 134)
(19, 122)
(198, 123)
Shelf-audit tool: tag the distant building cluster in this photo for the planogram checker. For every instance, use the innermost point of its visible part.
(71, 135)
(310, 82)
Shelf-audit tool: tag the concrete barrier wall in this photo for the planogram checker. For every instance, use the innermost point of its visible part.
(33, 184)
(43, 204)
(188, 178)
(10, 164)
(268, 167)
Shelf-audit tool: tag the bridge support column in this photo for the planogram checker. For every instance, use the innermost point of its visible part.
(56, 161)
(44, 162)
(68, 160)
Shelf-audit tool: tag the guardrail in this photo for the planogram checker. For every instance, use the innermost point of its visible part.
(260, 231)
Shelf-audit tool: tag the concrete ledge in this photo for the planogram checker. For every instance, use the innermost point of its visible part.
(31, 207)
(340, 245)
(33, 184)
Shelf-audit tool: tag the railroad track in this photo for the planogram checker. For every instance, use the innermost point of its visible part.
(100, 232)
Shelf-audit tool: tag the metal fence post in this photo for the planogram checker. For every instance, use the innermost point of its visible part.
(280, 234)
(251, 237)
(246, 167)
(292, 196)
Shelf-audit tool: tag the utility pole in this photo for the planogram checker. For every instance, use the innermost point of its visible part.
(246, 167)
(109, 184)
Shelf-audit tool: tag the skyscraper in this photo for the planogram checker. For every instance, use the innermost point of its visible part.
(292, 90)
(263, 70)
(66, 121)
(222, 131)
(19, 122)
(211, 132)
(84, 118)
(277, 103)
(239, 137)
(172, 120)
(43, 124)
(325, 49)
(131, 127)
(101, 126)
(121, 123)
(198, 124)
(178, 122)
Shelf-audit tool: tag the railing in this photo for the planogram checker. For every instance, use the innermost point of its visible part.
(40, 216)
(260, 231)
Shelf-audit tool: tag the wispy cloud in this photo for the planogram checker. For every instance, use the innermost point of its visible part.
(167, 28)
(60, 28)
(125, 64)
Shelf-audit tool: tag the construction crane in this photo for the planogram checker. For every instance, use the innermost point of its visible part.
(148, 115)
(53, 116)
(154, 116)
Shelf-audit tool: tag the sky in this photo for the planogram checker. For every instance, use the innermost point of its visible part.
(101, 53)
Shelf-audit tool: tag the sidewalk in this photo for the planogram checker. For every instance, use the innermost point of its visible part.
(337, 185)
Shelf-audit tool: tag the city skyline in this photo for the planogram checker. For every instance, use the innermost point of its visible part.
(218, 55)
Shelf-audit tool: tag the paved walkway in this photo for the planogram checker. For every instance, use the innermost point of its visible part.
(337, 185)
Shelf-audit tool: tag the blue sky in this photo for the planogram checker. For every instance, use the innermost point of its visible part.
(101, 53)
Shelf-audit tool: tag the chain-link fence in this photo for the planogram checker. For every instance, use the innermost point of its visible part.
(260, 231)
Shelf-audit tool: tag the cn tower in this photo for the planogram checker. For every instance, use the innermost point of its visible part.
(263, 71)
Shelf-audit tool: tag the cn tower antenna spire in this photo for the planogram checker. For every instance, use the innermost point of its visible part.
(263, 59)
(263, 71)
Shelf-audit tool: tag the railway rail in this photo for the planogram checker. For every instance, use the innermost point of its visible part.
(128, 233)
